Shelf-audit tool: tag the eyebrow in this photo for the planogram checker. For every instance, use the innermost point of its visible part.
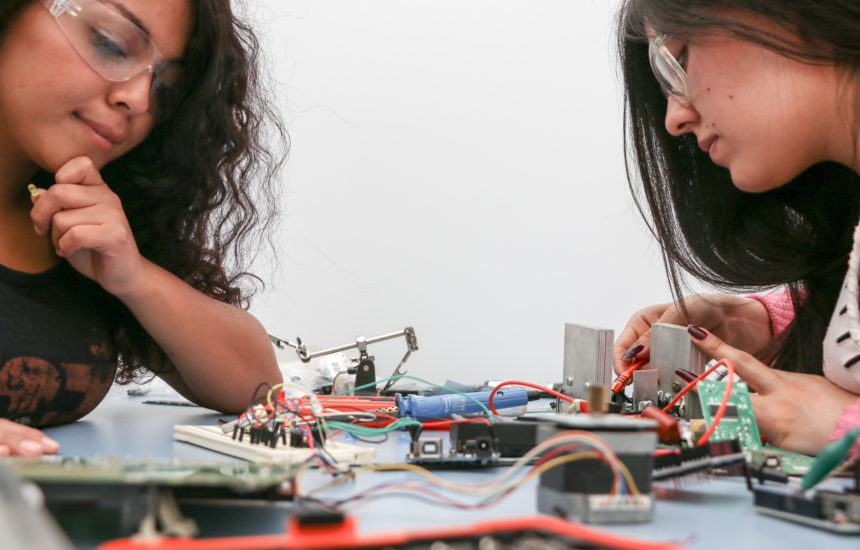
(128, 14)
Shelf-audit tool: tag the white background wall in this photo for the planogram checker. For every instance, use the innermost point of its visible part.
(456, 166)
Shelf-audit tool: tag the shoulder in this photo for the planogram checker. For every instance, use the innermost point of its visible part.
(841, 347)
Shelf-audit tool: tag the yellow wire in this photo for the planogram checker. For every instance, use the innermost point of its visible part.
(491, 487)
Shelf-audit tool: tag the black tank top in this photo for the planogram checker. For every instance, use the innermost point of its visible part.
(57, 356)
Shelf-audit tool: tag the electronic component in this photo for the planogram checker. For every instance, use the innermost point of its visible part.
(792, 463)
(587, 358)
(583, 489)
(645, 388)
(213, 438)
(668, 428)
(514, 437)
(671, 348)
(739, 420)
(443, 406)
(817, 505)
(428, 452)
(237, 477)
(829, 510)
(474, 447)
(146, 490)
(473, 438)
(675, 464)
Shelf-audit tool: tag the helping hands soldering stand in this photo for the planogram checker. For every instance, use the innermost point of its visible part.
(366, 370)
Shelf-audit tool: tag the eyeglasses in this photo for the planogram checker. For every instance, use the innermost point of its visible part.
(112, 45)
(670, 74)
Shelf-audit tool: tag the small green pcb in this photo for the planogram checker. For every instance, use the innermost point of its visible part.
(738, 422)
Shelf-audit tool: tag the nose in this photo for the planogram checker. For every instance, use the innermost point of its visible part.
(132, 94)
(680, 118)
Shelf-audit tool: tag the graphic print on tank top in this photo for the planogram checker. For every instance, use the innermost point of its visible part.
(57, 359)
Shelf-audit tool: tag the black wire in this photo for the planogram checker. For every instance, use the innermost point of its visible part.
(254, 397)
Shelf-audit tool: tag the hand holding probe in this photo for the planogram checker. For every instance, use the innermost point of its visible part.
(627, 376)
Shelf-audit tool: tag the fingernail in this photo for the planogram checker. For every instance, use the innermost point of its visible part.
(696, 332)
(30, 447)
(633, 350)
(50, 445)
(685, 375)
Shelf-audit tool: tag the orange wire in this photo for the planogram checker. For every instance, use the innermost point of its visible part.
(625, 377)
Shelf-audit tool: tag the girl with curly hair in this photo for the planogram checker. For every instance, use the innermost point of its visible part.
(743, 128)
(138, 127)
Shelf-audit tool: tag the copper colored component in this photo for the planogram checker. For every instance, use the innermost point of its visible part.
(598, 398)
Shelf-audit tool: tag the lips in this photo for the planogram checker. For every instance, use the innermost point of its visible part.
(706, 143)
(108, 132)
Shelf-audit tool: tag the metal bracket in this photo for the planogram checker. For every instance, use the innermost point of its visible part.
(671, 348)
(587, 358)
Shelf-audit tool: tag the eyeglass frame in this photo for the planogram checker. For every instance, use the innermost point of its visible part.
(157, 65)
(657, 47)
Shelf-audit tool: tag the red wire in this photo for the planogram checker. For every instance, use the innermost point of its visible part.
(662, 452)
(721, 410)
(529, 384)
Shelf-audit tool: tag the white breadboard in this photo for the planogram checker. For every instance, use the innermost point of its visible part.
(213, 438)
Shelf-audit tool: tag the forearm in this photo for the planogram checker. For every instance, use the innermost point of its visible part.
(740, 321)
(221, 352)
(749, 326)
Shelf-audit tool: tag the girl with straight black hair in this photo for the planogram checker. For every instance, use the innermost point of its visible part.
(742, 126)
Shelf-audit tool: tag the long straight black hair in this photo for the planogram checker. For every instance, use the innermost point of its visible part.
(798, 235)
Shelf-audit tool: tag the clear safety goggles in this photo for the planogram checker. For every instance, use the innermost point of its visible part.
(112, 45)
(670, 74)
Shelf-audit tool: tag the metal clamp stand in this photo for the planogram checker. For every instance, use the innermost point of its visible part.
(366, 369)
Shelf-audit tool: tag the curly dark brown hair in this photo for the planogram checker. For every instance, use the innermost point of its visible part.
(200, 192)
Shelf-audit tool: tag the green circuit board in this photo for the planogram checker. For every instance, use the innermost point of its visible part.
(739, 421)
(234, 475)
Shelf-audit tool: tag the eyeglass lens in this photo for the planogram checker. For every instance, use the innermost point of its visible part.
(115, 47)
(667, 70)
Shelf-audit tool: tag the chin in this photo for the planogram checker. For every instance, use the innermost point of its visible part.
(754, 182)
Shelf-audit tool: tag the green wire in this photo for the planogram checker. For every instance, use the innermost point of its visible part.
(367, 431)
(829, 458)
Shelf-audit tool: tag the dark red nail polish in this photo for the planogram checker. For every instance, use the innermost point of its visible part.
(696, 332)
(685, 375)
(633, 350)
